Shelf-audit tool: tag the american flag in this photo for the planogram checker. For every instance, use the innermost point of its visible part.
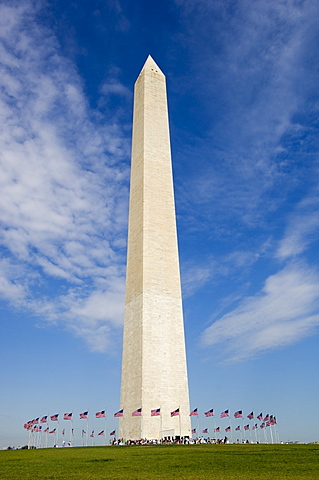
(101, 432)
(113, 432)
(67, 416)
(262, 425)
(238, 428)
(255, 426)
(250, 416)
(227, 429)
(194, 412)
(46, 430)
(44, 419)
(92, 434)
(217, 429)
(238, 414)
(260, 416)
(156, 412)
(100, 414)
(54, 418)
(174, 413)
(137, 413)
(266, 418)
(194, 430)
(224, 414)
(63, 432)
(205, 430)
(119, 413)
(53, 431)
(210, 413)
(84, 415)
(246, 427)
(83, 432)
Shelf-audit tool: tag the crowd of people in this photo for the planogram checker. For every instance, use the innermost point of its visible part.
(171, 441)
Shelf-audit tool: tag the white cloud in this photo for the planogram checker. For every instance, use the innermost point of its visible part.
(253, 73)
(285, 311)
(302, 229)
(63, 177)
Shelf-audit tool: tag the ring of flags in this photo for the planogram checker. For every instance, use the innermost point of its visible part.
(266, 421)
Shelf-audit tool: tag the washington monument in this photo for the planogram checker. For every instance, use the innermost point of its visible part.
(154, 373)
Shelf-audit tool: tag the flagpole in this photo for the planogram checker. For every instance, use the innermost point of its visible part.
(180, 427)
(57, 431)
(214, 424)
(47, 432)
(105, 426)
(87, 431)
(141, 421)
(231, 428)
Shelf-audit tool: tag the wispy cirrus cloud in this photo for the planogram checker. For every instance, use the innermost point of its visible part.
(302, 229)
(283, 312)
(63, 185)
(254, 65)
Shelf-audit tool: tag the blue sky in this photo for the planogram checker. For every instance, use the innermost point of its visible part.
(242, 88)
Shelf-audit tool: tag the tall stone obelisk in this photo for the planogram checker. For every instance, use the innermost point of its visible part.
(154, 372)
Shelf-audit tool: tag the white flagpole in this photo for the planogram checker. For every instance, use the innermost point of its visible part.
(231, 428)
(215, 425)
(57, 431)
(87, 431)
(105, 423)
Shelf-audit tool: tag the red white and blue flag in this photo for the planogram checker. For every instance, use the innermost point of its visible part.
(84, 415)
(53, 431)
(266, 418)
(260, 416)
(255, 426)
(156, 412)
(67, 416)
(210, 413)
(113, 432)
(44, 419)
(205, 430)
(174, 413)
(101, 414)
(238, 414)
(194, 430)
(250, 416)
(193, 412)
(92, 434)
(119, 413)
(224, 414)
(63, 432)
(101, 432)
(137, 413)
(217, 429)
(246, 427)
(262, 425)
(54, 418)
(46, 430)
(227, 429)
(238, 428)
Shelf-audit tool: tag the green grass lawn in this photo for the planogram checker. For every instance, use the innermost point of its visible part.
(220, 462)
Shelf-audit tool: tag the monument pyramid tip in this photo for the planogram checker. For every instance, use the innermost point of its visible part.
(151, 64)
